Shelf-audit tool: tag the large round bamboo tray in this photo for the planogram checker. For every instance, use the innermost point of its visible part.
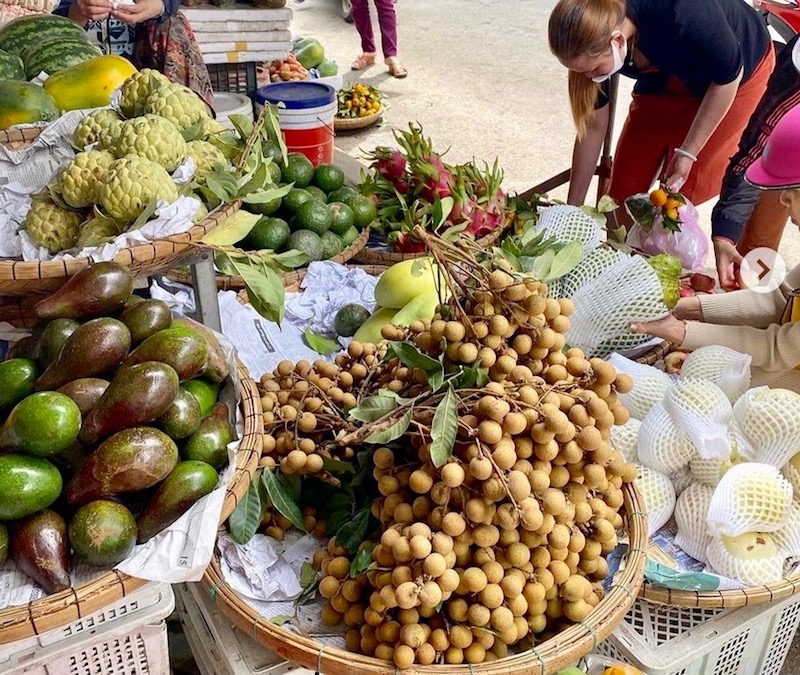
(59, 609)
(754, 595)
(21, 278)
(547, 657)
(16, 139)
(375, 257)
(355, 123)
(230, 282)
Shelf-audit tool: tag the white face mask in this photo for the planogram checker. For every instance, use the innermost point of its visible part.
(619, 58)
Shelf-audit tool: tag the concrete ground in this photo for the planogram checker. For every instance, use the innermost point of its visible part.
(483, 83)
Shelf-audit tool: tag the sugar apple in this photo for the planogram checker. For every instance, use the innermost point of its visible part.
(179, 104)
(98, 230)
(131, 184)
(79, 181)
(206, 157)
(135, 91)
(153, 138)
(209, 127)
(100, 126)
(51, 226)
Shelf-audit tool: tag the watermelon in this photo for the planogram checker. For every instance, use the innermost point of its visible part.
(11, 67)
(57, 54)
(25, 103)
(16, 35)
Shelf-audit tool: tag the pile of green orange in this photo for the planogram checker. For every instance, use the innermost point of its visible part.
(319, 216)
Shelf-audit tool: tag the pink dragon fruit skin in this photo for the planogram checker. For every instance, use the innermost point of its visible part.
(391, 165)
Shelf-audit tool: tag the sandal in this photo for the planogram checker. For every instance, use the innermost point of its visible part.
(363, 61)
(396, 69)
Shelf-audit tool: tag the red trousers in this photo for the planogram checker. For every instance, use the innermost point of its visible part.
(658, 123)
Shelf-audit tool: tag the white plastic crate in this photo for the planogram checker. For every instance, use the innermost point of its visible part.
(125, 638)
(663, 640)
(218, 647)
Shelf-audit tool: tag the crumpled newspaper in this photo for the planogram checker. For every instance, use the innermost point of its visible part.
(170, 219)
(265, 568)
(327, 287)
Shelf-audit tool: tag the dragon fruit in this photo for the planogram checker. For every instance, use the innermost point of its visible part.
(389, 163)
(478, 198)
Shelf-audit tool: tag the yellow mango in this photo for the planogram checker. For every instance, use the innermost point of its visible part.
(370, 330)
(404, 281)
(422, 307)
(89, 84)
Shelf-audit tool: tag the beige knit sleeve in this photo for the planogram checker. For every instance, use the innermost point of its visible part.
(776, 348)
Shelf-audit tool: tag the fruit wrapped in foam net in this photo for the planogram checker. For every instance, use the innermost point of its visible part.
(770, 421)
(753, 558)
(566, 223)
(625, 439)
(662, 446)
(649, 385)
(659, 497)
(702, 411)
(728, 369)
(690, 516)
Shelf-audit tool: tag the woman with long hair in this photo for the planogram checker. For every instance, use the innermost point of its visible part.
(700, 67)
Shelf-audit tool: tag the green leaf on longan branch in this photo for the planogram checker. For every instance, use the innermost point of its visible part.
(246, 517)
(282, 497)
(444, 428)
(362, 561)
(391, 433)
(353, 531)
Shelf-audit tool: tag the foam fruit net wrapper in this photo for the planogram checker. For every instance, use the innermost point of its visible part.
(597, 262)
(770, 420)
(663, 447)
(702, 411)
(753, 558)
(627, 291)
(726, 368)
(750, 497)
(690, 516)
(625, 439)
(649, 385)
(659, 497)
(566, 223)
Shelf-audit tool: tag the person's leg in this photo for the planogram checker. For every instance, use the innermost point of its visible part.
(387, 17)
(363, 23)
(766, 224)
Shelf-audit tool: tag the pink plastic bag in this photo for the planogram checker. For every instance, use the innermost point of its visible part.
(689, 245)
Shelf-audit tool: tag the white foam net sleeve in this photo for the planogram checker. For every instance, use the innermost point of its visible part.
(753, 558)
(750, 497)
(690, 517)
(788, 537)
(662, 446)
(589, 268)
(727, 368)
(625, 439)
(627, 291)
(791, 472)
(682, 479)
(658, 495)
(702, 411)
(770, 420)
(566, 223)
(649, 385)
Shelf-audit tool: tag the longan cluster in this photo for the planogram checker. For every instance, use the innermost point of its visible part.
(343, 595)
(275, 525)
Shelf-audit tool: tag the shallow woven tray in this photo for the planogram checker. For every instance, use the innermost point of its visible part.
(547, 657)
(375, 257)
(16, 139)
(20, 278)
(60, 609)
(229, 282)
(353, 123)
(655, 353)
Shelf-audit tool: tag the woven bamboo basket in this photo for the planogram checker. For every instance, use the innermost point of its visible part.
(229, 282)
(655, 353)
(355, 123)
(373, 256)
(16, 139)
(21, 278)
(547, 657)
(59, 609)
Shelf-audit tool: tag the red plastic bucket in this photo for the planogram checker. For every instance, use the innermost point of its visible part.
(306, 111)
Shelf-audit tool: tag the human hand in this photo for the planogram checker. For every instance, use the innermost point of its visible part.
(688, 309)
(83, 11)
(728, 262)
(677, 172)
(669, 328)
(140, 12)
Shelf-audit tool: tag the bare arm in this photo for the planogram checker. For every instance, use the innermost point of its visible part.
(585, 155)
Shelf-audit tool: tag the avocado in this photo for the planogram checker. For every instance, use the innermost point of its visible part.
(137, 395)
(95, 348)
(205, 391)
(217, 366)
(16, 381)
(40, 548)
(30, 484)
(189, 481)
(130, 460)
(146, 318)
(98, 290)
(103, 533)
(85, 391)
(42, 424)
(210, 442)
(53, 337)
(182, 418)
(25, 348)
(178, 347)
